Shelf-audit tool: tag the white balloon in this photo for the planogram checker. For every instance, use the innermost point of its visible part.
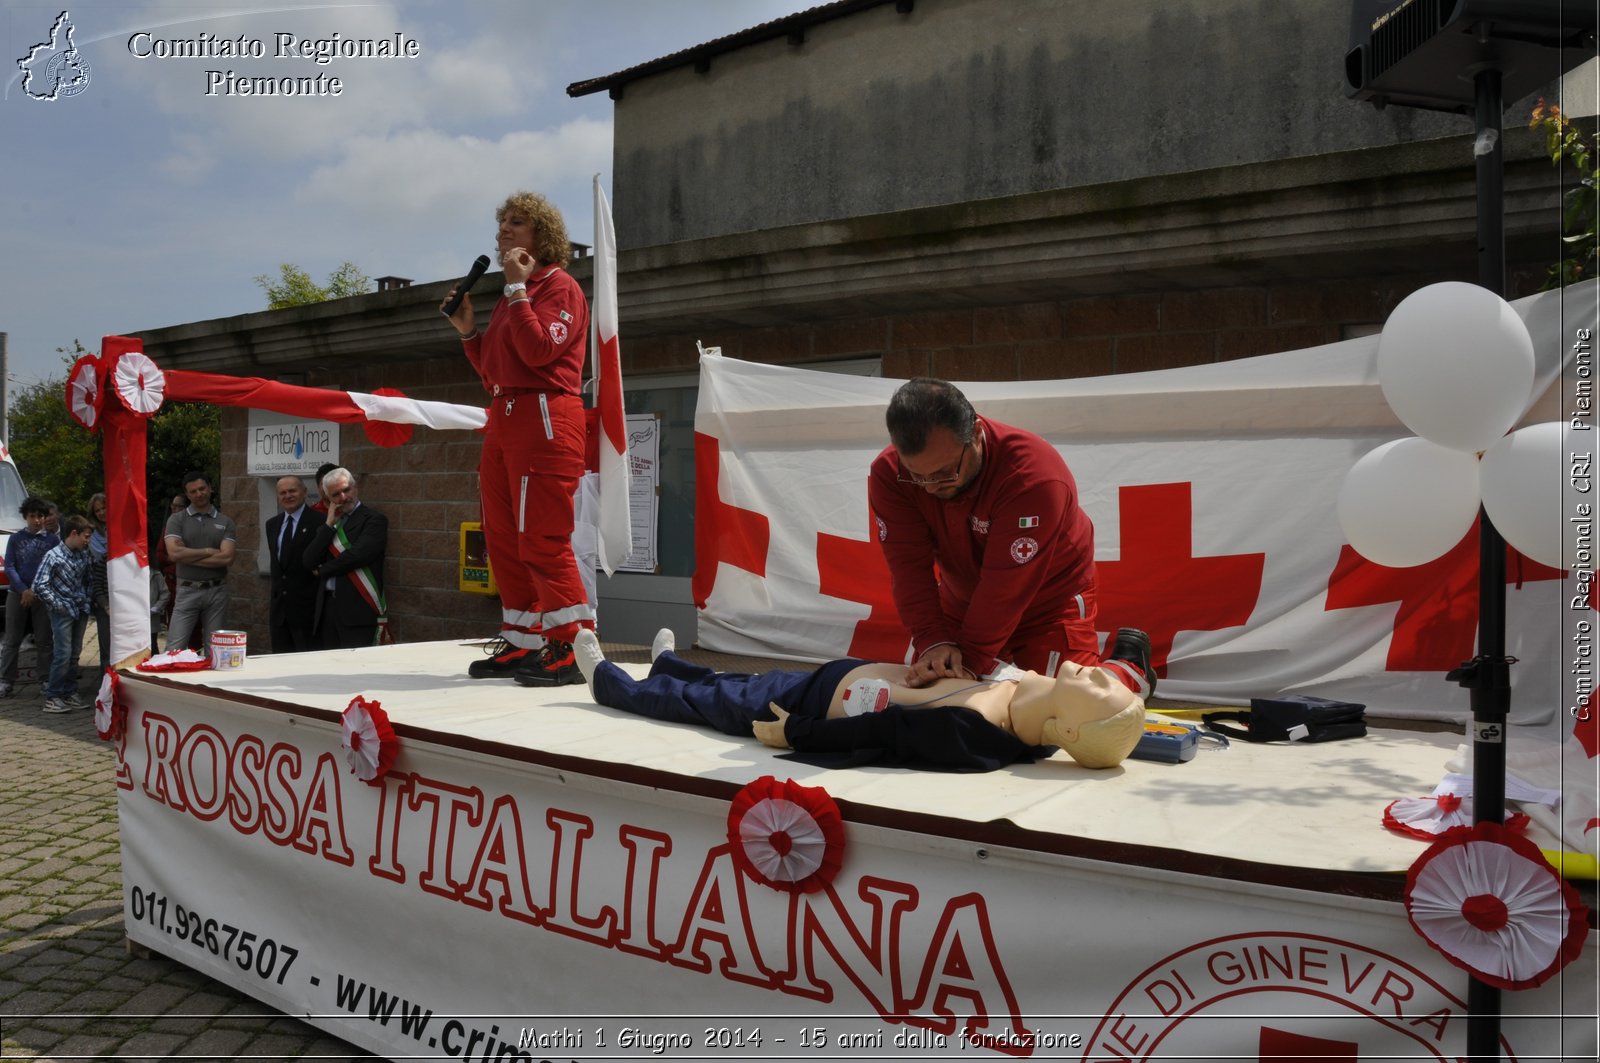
(1456, 364)
(1408, 502)
(1528, 490)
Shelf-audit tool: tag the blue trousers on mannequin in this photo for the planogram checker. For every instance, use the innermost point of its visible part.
(680, 692)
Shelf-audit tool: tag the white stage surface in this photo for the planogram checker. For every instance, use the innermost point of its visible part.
(537, 869)
(1284, 805)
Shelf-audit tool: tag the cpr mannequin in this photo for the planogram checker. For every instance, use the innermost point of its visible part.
(952, 724)
(1089, 714)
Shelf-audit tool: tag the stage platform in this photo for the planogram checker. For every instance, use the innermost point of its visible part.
(535, 863)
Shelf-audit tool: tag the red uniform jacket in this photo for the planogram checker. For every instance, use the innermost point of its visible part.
(1013, 550)
(537, 345)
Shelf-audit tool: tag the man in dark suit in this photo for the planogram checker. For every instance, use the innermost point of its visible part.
(346, 557)
(294, 589)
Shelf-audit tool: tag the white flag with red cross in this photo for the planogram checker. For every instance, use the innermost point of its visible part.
(616, 532)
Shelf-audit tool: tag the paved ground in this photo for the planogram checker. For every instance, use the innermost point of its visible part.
(69, 988)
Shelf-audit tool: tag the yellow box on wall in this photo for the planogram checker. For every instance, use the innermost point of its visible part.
(474, 572)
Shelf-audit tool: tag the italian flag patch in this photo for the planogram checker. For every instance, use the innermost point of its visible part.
(1027, 522)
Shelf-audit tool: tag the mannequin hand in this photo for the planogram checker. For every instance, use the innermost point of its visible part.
(771, 731)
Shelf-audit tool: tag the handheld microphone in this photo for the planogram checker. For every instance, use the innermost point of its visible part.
(477, 270)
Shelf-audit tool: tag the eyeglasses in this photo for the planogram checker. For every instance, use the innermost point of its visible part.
(943, 477)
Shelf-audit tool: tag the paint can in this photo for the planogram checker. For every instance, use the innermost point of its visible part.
(227, 649)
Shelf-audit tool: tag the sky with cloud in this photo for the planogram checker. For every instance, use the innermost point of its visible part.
(142, 201)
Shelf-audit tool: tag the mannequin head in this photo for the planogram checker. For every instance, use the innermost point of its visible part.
(1086, 711)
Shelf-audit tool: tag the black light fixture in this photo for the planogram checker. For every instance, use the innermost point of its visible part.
(1468, 57)
(1427, 53)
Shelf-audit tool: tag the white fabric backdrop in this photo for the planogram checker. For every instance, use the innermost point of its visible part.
(1236, 465)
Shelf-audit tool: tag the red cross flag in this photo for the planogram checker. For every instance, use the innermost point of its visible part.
(1213, 492)
(616, 532)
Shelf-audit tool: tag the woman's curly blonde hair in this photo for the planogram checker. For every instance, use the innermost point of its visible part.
(550, 243)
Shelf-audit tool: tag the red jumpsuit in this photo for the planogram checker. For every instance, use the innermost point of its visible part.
(1015, 555)
(530, 358)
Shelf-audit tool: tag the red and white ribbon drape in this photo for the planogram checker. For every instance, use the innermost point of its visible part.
(141, 388)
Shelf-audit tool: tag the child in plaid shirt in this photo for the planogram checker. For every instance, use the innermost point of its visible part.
(62, 583)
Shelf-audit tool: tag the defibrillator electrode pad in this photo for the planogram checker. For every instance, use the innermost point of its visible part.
(866, 695)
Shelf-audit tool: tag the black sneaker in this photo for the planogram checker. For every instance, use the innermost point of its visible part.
(553, 666)
(1132, 645)
(504, 660)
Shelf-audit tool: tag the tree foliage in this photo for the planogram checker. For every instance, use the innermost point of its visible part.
(62, 462)
(294, 286)
(58, 460)
(1580, 213)
(181, 437)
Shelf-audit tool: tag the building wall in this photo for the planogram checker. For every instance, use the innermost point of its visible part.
(959, 101)
(426, 488)
(977, 190)
(1080, 336)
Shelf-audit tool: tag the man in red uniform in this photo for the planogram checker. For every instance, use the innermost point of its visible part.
(996, 510)
(530, 358)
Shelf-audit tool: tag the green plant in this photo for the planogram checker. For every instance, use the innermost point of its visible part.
(1580, 209)
(295, 287)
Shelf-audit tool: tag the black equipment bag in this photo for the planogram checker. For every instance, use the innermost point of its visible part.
(1293, 718)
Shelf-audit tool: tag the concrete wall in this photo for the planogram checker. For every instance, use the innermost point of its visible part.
(964, 100)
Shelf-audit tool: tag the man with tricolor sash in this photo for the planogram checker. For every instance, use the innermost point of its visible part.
(346, 556)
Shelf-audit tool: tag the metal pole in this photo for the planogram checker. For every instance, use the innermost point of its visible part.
(1489, 674)
(5, 406)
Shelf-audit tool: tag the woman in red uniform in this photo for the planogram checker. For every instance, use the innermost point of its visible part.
(530, 358)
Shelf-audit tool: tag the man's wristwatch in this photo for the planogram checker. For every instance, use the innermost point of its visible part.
(512, 289)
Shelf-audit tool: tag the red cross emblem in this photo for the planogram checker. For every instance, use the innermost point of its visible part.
(1159, 585)
(722, 533)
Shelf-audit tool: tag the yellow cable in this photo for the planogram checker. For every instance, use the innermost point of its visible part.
(1573, 865)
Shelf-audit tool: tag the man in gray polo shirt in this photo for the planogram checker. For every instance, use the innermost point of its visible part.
(200, 540)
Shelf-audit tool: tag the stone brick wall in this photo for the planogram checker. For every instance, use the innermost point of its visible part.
(1074, 337)
(426, 488)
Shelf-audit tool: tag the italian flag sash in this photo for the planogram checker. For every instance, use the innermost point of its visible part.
(366, 585)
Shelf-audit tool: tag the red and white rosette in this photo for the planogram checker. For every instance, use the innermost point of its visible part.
(83, 391)
(110, 714)
(370, 744)
(785, 835)
(1429, 817)
(388, 433)
(1491, 904)
(138, 383)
